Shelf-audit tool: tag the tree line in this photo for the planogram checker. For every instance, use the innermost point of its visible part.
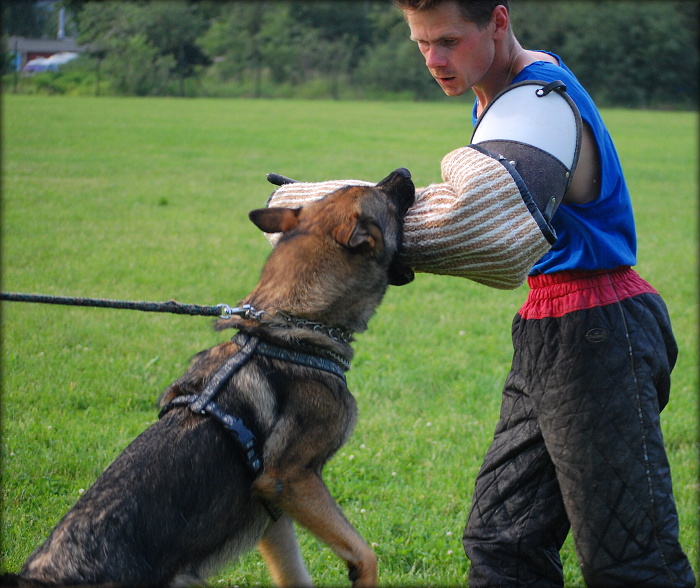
(626, 53)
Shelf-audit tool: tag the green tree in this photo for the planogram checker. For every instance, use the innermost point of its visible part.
(148, 46)
(393, 63)
(234, 39)
(28, 18)
(625, 53)
(341, 22)
(281, 39)
(630, 56)
(138, 69)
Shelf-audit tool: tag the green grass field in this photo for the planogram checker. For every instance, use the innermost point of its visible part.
(147, 199)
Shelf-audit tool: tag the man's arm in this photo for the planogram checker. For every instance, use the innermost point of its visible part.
(585, 185)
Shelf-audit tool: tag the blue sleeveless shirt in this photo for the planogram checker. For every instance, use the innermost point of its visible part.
(599, 234)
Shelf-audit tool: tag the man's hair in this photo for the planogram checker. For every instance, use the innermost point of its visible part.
(477, 11)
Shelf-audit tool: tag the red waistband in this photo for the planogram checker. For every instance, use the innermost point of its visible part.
(557, 294)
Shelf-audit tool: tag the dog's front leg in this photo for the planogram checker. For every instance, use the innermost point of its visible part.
(280, 549)
(307, 500)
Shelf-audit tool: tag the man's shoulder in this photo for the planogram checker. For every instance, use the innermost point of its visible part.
(546, 71)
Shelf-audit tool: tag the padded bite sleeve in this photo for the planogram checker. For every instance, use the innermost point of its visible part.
(480, 223)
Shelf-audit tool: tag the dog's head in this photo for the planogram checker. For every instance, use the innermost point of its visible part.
(337, 255)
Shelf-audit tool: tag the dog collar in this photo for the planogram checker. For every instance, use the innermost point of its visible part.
(338, 334)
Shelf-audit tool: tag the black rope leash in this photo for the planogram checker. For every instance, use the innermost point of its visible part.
(171, 306)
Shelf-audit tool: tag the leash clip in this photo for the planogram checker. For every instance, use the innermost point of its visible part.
(226, 311)
(243, 311)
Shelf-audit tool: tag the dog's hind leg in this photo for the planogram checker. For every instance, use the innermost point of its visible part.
(280, 549)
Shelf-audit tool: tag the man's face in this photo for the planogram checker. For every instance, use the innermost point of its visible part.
(457, 53)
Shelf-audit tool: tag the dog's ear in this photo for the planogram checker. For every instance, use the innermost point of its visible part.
(355, 234)
(400, 274)
(275, 220)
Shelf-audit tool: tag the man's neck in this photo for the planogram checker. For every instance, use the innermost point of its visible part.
(510, 58)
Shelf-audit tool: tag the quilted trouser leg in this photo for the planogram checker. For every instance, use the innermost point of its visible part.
(599, 413)
(593, 381)
(517, 522)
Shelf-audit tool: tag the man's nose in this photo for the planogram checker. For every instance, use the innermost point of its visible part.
(434, 57)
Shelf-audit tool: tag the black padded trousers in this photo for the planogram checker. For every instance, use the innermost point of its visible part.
(579, 446)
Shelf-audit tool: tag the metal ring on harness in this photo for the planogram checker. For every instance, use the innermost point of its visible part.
(536, 127)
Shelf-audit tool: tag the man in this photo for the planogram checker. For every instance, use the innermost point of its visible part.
(578, 445)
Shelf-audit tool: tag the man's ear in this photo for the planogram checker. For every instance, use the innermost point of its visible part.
(275, 220)
(500, 19)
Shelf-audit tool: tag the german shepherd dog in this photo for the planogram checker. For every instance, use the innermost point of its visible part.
(244, 434)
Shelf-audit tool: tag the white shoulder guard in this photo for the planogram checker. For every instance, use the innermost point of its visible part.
(537, 127)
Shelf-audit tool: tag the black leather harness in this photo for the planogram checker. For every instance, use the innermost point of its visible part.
(205, 404)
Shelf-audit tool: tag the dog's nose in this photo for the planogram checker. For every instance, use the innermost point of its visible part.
(399, 187)
(406, 192)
